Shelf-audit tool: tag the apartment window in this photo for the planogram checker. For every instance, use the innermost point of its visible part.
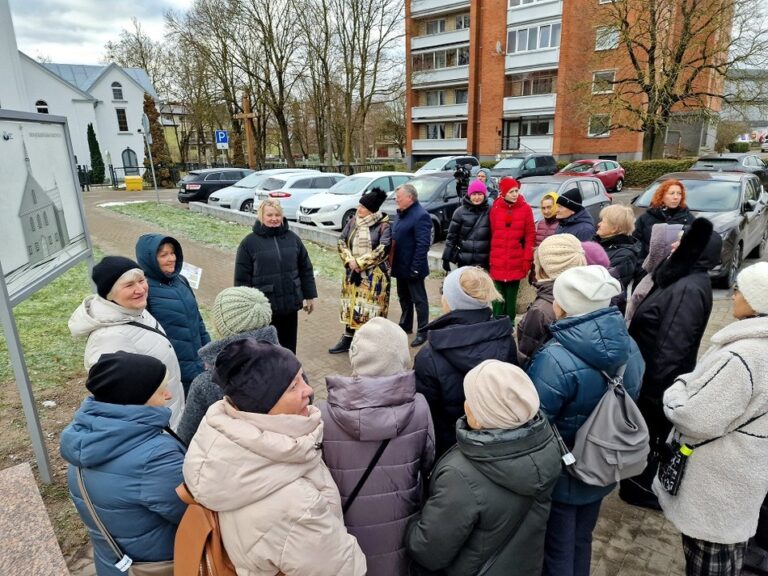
(462, 22)
(606, 38)
(461, 95)
(435, 98)
(37, 247)
(536, 127)
(117, 91)
(463, 54)
(41, 106)
(29, 249)
(435, 26)
(599, 126)
(122, 120)
(459, 129)
(516, 3)
(435, 131)
(533, 38)
(39, 221)
(32, 223)
(531, 84)
(441, 59)
(45, 218)
(602, 82)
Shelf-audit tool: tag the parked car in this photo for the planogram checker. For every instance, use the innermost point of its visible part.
(438, 195)
(199, 184)
(333, 209)
(737, 206)
(764, 145)
(524, 166)
(292, 189)
(592, 190)
(750, 163)
(609, 172)
(446, 163)
(240, 195)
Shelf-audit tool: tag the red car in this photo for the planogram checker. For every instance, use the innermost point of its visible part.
(609, 172)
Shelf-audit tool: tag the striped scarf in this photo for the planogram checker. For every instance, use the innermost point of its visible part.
(361, 241)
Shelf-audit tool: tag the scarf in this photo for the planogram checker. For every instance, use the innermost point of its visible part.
(361, 241)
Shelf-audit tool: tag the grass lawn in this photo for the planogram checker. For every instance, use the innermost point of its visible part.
(219, 233)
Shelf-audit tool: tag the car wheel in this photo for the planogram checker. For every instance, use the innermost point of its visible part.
(733, 268)
(434, 232)
(247, 206)
(619, 185)
(346, 218)
(760, 249)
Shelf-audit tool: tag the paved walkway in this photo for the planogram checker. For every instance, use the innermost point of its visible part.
(628, 541)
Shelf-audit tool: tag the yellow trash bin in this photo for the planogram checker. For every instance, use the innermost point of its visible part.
(134, 183)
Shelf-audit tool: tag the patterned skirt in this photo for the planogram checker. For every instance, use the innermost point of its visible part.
(368, 300)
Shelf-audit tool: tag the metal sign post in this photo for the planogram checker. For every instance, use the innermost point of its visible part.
(148, 144)
(22, 383)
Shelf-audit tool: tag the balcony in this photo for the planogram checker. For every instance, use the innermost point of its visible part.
(534, 60)
(542, 144)
(428, 7)
(536, 11)
(440, 76)
(458, 145)
(442, 39)
(528, 105)
(447, 112)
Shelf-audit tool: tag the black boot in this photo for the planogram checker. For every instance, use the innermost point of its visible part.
(342, 345)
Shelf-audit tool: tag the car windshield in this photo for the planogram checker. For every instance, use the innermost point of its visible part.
(350, 185)
(533, 192)
(510, 163)
(715, 164)
(191, 176)
(272, 184)
(251, 181)
(578, 167)
(702, 195)
(435, 164)
(427, 187)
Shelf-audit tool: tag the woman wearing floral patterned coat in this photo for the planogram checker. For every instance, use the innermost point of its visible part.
(364, 247)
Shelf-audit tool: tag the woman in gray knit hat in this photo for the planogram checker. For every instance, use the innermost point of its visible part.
(238, 313)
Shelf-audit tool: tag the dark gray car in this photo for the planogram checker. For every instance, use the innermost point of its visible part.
(593, 193)
(749, 163)
(524, 166)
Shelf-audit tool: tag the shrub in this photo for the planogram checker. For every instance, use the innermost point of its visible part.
(738, 147)
(562, 164)
(488, 163)
(640, 173)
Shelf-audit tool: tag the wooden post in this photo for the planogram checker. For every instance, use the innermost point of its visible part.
(248, 116)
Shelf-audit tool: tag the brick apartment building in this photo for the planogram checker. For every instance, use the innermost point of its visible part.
(492, 77)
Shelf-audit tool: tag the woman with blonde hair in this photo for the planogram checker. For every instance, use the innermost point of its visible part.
(457, 341)
(614, 234)
(273, 259)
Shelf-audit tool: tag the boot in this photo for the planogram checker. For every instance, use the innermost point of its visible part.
(342, 345)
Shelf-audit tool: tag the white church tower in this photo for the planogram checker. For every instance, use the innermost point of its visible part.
(13, 92)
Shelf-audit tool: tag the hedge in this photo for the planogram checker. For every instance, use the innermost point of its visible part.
(738, 147)
(640, 173)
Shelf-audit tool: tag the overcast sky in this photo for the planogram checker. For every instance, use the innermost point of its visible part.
(75, 31)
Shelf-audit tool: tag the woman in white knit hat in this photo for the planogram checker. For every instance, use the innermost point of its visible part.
(720, 412)
(588, 338)
(489, 496)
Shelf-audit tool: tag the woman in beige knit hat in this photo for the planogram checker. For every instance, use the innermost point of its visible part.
(555, 255)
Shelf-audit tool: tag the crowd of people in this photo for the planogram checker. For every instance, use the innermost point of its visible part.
(456, 461)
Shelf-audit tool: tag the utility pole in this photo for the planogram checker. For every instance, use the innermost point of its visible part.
(248, 116)
(148, 144)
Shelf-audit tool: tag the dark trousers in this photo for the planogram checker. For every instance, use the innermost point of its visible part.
(704, 558)
(508, 305)
(568, 543)
(287, 326)
(413, 294)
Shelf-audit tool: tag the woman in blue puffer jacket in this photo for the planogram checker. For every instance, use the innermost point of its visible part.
(589, 336)
(172, 302)
(130, 462)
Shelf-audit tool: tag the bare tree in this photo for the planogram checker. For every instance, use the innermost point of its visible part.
(671, 56)
(727, 132)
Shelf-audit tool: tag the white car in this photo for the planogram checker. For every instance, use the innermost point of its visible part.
(239, 196)
(443, 163)
(334, 209)
(292, 189)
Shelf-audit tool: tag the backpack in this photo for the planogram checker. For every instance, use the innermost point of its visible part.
(613, 443)
(198, 549)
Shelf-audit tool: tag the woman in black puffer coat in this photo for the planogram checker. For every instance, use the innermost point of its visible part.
(468, 242)
(274, 260)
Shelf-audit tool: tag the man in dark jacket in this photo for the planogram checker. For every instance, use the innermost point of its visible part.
(411, 237)
(172, 302)
(574, 219)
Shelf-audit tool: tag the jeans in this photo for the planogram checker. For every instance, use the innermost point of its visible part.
(413, 294)
(568, 543)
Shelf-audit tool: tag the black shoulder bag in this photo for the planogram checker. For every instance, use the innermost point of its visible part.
(361, 483)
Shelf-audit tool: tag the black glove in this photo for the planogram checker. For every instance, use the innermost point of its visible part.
(356, 278)
(447, 265)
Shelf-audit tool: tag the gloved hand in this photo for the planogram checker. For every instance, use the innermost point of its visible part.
(447, 266)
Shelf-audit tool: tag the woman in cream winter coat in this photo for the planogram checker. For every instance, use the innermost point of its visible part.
(116, 319)
(256, 460)
(723, 402)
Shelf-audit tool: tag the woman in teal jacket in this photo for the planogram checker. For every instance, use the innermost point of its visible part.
(172, 302)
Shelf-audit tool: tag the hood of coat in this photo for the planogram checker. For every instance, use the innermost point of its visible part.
(620, 241)
(581, 216)
(545, 290)
(599, 338)
(699, 251)
(238, 458)
(210, 351)
(525, 460)
(372, 408)
(267, 231)
(95, 312)
(748, 328)
(146, 255)
(458, 335)
(101, 432)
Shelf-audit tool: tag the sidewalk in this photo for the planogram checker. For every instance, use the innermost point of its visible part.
(627, 541)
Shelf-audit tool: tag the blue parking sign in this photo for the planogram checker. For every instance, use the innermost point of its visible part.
(222, 139)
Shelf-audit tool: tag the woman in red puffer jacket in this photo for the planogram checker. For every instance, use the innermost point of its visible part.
(512, 239)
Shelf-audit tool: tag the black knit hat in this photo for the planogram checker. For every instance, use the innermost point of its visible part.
(373, 199)
(125, 378)
(571, 199)
(254, 374)
(107, 272)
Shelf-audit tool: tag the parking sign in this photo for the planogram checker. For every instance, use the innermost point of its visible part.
(222, 139)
